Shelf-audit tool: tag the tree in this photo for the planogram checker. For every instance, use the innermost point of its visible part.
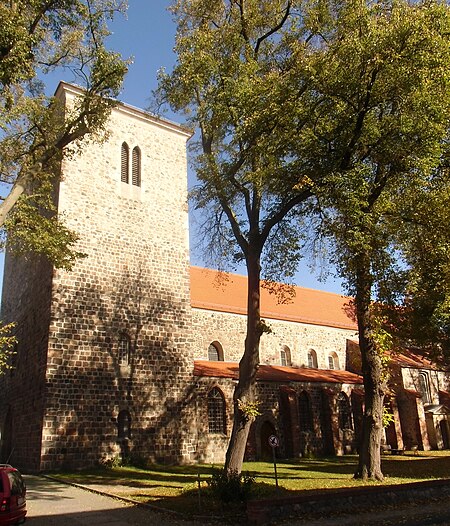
(36, 38)
(424, 319)
(382, 124)
(344, 101)
(233, 80)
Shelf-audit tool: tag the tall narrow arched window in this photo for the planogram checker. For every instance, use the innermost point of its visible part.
(344, 411)
(424, 388)
(285, 356)
(312, 359)
(215, 352)
(123, 355)
(216, 411)
(304, 412)
(124, 424)
(124, 163)
(136, 166)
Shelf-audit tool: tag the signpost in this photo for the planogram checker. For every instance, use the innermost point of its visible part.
(274, 443)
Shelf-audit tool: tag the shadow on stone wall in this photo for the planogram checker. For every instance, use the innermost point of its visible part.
(88, 386)
(26, 302)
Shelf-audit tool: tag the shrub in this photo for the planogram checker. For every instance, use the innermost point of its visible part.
(231, 486)
(110, 462)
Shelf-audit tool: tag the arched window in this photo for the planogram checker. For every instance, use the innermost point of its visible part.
(216, 411)
(215, 352)
(312, 359)
(285, 356)
(124, 163)
(136, 166)
(333, 361)
(424, 388)
(344, 411)
(305, 412)
(123, 355)
(124, 424)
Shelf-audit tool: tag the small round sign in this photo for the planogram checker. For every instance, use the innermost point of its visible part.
(273, 441)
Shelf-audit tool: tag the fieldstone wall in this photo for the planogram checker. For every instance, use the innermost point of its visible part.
(317, 503)
(326, 437)
(230, 329)
(134, 280)
(26, 301)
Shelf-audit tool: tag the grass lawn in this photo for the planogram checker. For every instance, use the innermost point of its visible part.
(176, 487)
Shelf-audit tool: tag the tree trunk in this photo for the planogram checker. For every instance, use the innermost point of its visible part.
(11, 199)
(369, 466)
(248, 367)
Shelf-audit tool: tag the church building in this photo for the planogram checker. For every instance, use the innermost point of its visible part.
(134, 352)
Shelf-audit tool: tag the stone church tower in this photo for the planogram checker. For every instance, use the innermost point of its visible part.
(104, 359)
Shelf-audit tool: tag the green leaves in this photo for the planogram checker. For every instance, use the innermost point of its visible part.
(7, 343)
(424, 241)
(30, 231)
(36, 38)
(380, 126)
(233, 81)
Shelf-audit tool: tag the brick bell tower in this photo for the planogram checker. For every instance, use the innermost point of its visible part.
(104, 359)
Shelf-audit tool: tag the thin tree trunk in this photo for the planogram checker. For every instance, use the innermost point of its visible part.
(11, 199)
(248, 367)
(369, 466)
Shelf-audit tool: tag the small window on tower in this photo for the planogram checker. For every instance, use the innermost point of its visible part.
(136, 167)
(124, 162)
(123, 356)
(124, 424)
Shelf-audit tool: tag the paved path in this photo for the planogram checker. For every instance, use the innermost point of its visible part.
(51, 503)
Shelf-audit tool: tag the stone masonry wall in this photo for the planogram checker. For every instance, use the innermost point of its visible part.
(25, 301)
(211, 447)
(311, 504)
(134, 280)
(229, 330)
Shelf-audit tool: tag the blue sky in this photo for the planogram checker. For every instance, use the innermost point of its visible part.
(147, 36)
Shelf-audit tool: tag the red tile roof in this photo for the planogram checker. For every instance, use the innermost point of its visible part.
(408, 358)
(276, 373)
(225, 292)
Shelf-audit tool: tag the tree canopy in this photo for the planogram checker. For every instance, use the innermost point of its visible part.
(343, 102)
(233, 81)
(382, 127)
(230, 84)
(38, 37)
(424, 319)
